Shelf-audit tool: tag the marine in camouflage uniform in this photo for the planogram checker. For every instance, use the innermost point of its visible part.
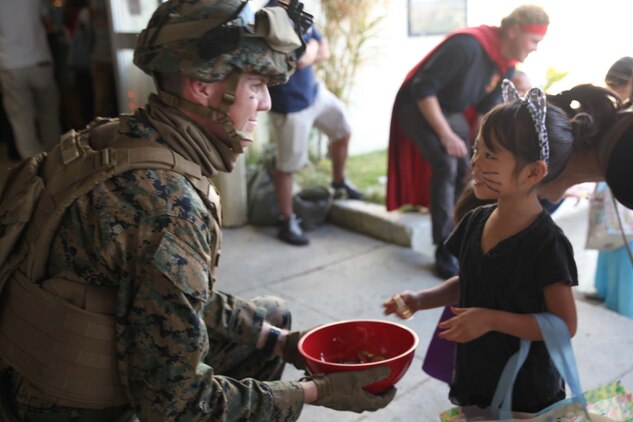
(147, 234)
(142, 246)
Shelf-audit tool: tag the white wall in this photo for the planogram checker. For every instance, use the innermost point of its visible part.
(584, 38)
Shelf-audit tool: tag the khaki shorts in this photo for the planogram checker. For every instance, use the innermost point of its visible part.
(292, 130)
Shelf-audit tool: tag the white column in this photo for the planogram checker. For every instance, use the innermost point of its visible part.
(232, 188)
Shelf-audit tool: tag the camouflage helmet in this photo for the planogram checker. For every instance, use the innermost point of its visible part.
(207, 40)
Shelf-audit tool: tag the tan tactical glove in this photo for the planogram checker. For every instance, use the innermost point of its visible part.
(344, 390)
(291, 351)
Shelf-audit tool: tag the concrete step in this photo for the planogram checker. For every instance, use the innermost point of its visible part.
(411, 229)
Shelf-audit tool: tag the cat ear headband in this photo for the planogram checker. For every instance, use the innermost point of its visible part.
(536, 104)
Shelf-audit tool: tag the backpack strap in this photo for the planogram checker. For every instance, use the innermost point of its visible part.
(73, 169)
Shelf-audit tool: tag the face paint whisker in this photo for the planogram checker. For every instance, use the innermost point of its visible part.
(489, 180)
(492, 189)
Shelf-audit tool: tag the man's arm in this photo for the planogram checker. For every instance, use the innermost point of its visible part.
(317, 49)
(163, 326)
(432, 112)
(324, 50)
(453, 60)
(310, 55)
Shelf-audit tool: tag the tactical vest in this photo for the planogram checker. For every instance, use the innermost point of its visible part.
(60, 334)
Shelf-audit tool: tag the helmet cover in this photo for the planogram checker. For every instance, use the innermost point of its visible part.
(206, 40)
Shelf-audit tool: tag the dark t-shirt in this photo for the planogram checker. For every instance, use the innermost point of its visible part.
(300, 91)
(458, 74)
(510, 277)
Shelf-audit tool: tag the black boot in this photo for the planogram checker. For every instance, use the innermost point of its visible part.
(290, 231)
(344, 189)
(445, 263)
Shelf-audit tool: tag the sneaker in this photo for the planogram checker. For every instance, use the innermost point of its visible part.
(345, 189)
(290, 231)
(445, 263)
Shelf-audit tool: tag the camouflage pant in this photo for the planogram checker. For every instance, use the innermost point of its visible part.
(243, 361)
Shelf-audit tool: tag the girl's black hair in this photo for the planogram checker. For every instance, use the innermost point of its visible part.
(511, 125)
(576, 119)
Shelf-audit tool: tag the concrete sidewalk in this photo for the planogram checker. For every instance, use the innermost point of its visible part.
(344, 275)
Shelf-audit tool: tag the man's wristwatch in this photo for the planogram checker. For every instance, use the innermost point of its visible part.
(271, 340)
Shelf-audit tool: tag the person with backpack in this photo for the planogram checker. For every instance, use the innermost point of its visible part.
(108, 309)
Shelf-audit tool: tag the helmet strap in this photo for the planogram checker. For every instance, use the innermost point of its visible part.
(218, 115)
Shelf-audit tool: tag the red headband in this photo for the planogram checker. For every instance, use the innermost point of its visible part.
(535, 29)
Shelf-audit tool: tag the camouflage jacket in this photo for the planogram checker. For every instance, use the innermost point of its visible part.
(148, 234)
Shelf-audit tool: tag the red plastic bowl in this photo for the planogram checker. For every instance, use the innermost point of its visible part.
(335, 347)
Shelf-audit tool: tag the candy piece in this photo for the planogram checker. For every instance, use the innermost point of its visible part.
(401, 308)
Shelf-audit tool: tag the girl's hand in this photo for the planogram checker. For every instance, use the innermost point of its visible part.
(467, 324)
(404, 305)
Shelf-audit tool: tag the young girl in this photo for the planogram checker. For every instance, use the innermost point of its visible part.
(514, 260)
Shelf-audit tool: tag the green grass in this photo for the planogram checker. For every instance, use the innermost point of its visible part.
(368, 172)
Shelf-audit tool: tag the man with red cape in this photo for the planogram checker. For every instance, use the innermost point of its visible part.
(437, 109)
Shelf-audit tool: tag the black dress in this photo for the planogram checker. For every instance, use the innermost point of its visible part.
(510, 277)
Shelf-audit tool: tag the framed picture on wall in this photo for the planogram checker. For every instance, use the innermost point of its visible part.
(435, 17)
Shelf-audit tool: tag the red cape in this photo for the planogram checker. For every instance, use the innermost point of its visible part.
(408, 172)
